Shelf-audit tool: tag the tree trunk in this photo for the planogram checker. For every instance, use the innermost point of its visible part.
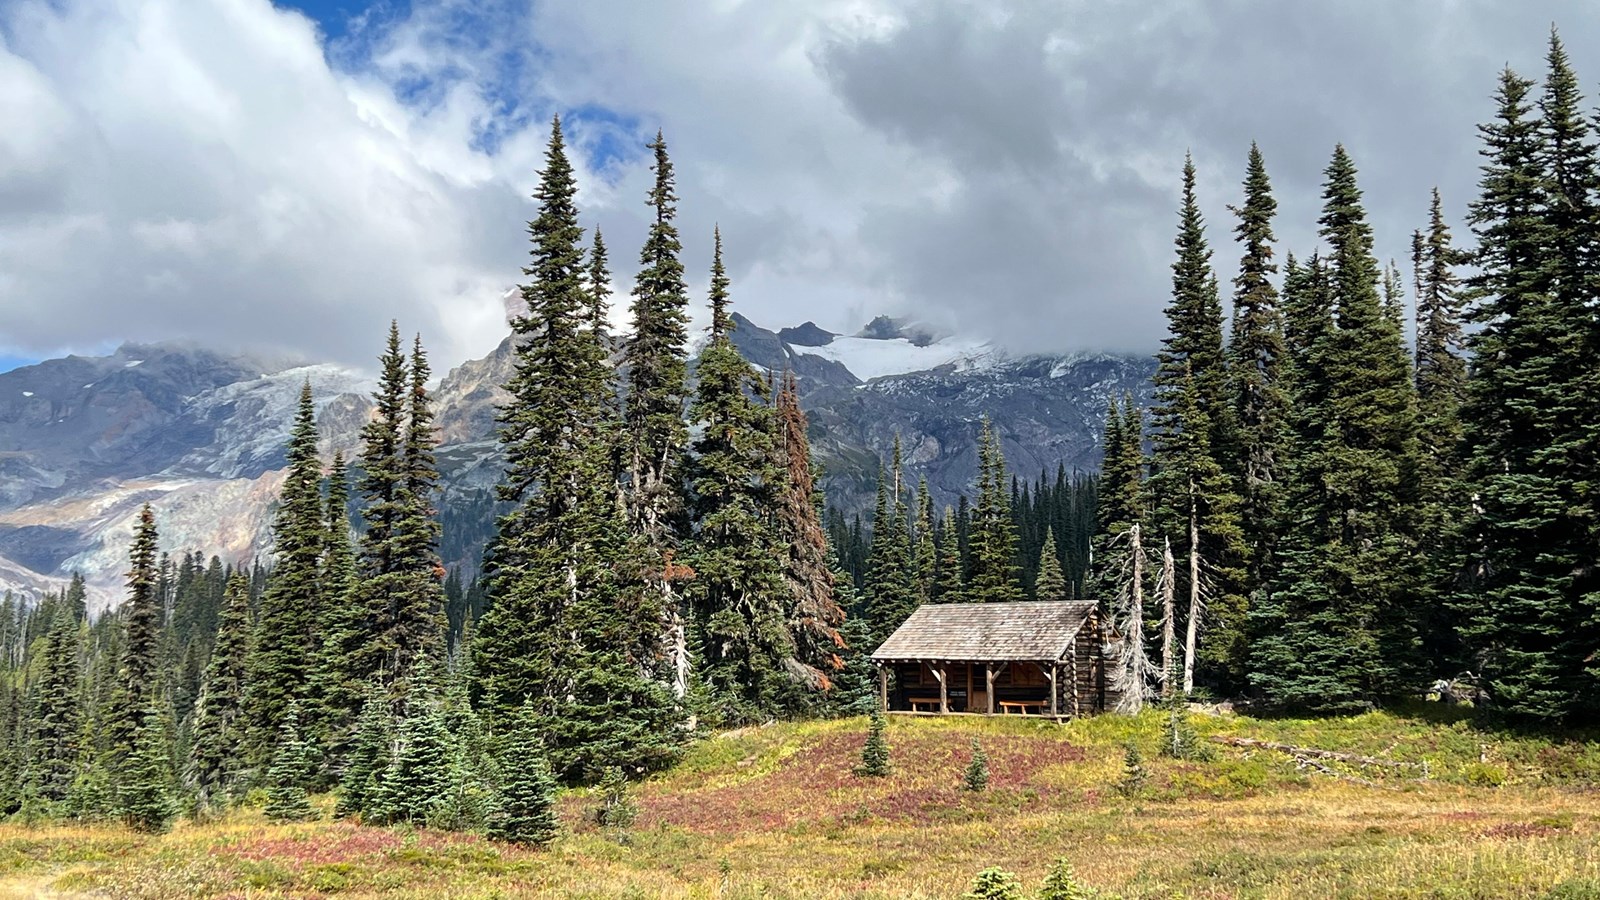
(1169, 611)
(1195, 610)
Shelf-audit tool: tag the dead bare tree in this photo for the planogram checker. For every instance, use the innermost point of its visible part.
(1131, 680)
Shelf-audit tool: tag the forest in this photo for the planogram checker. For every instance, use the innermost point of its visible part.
(1364, 482)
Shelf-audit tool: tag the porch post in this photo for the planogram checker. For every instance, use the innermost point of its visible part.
(988, 693)
(883, 687)
(1055, 693)
(1072, 675)
(944, 688)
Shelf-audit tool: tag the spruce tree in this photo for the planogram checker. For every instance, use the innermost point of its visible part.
(890, 586)
(144, 784)
(739, 584)
(924, 554)
(526, 812)
(1051, 583)
(1529, 608)
(949, 586)
(1194, 497)
(994, 576)
(655, 357)
(875, 752)
(360, 785)
(55, 721)
(418, 777)
(344, 627)
(218, 722)
(1255, 367)
(1120, 498)
(291, 771)
(137, 676)
(283, 653)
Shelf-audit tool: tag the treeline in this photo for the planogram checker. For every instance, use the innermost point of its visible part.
(1351, 518)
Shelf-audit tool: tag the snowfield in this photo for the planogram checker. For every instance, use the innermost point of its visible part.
(869, 358)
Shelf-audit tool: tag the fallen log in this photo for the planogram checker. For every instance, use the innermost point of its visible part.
(1301, 752)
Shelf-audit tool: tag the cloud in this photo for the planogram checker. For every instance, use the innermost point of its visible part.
(220, 171)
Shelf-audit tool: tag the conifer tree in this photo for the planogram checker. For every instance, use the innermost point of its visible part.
(890, 583)
(739, 584)
(948, 584)
(1340, 629)
(282, 654)
(814, 613)
(55, 717)
(566, 628)
(291, 771)
(417, 779)
(1120, 498)
(1255, 366)
(144, 784)
(361, 784)
(994, 566)
(141, 635)
(344, 628)
(526, 813)
(1529, 609)
(924, 553)
(1194, 497)
(219, 725)
(875, 752)
(1051, 583)
(653, 409)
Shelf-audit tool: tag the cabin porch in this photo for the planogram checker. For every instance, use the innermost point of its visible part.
(995, 688)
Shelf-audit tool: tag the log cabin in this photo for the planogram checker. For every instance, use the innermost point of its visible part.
(1035, 657)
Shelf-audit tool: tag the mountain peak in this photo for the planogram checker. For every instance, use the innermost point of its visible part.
(807, 335)
(887, 328)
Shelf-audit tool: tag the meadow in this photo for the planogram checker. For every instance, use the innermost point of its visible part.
(775, 812)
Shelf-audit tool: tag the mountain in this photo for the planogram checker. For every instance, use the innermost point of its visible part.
(200, 435)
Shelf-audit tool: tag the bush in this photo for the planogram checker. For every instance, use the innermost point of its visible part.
(1062, 884)
(1481, 774)
(977, 777)
(875, 753)
(995, 884)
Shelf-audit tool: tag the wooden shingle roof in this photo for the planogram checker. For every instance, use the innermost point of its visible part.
(1029, 631)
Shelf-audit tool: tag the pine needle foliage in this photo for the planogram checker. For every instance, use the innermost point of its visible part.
(875, 752)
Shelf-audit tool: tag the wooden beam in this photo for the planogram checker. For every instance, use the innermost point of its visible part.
(944, 688)
(1054, 692)
(883, 687)
(989, 674)
(1072, 674)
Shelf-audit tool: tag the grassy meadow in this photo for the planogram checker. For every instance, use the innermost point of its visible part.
(775, 812)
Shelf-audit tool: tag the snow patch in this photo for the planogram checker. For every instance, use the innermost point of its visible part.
(869, 358)
(129, 365)
(89, 385)
(27, 393)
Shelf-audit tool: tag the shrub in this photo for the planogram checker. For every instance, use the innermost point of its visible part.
(1062, 884)
(977, 777)
(875, 753)
(1481, 774)
(994, 883)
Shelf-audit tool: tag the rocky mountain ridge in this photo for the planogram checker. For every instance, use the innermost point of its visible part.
(200, 434)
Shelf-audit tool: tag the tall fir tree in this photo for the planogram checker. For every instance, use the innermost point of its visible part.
(995, 577)
(1255, 366)
(739, 587)
(890, 583)
(283, 653)
(1120, 499)
(1530, 610)
(344, 628)
(214, 754)
(138, 678)
(949, 586)
(655, 357)
(1194, 498)
(1051, 583)
(56, 718)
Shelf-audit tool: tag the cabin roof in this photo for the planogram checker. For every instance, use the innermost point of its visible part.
(1029, 631)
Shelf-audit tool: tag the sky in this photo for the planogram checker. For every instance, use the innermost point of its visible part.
(291, 177)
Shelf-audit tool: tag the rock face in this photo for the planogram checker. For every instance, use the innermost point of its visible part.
(200, 435)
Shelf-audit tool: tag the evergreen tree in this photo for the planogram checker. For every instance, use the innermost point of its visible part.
(994, 576)
(976, 777)
(924, 553)
(344, 627)
(1255, 365)
(875, 752)
(417, 779)
(890, 583)
(1529, 609)
(138, 680)
(282, 655)
(218, 726)
(1340, 630)
(567, 628)
(292, 769)
(527, 808)
(360, 786)
(738, 577)
(1061, 883)
(655, 357)
(1120, 497)
(55, 720)
(1051, 583)
(995, 883)
(144, 784)
(948, 586)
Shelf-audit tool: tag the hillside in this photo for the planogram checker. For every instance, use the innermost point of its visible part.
(774, 812)
(200, 434)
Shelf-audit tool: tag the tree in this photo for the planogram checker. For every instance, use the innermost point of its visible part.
(890, 583)
(417, 779)
(1120, 498)
(361, 784)
(994, 884)
(141, 634)
(345, 627)
(1529, 607)
(1195, 500)
(1051, 584)
(976, 777)
(1061, 883)
(1340, 630)
(734, 484)
(218, 720)
(814, 613)
(526, 812)
(292, 769)
(657, 437)
(875, 752)
(144, 786)
(1255, 366)
(994, 566)
(949, 585)
(280, 661)
(56, 720)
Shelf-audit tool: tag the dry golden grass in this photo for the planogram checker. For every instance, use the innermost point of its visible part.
(774, 812)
